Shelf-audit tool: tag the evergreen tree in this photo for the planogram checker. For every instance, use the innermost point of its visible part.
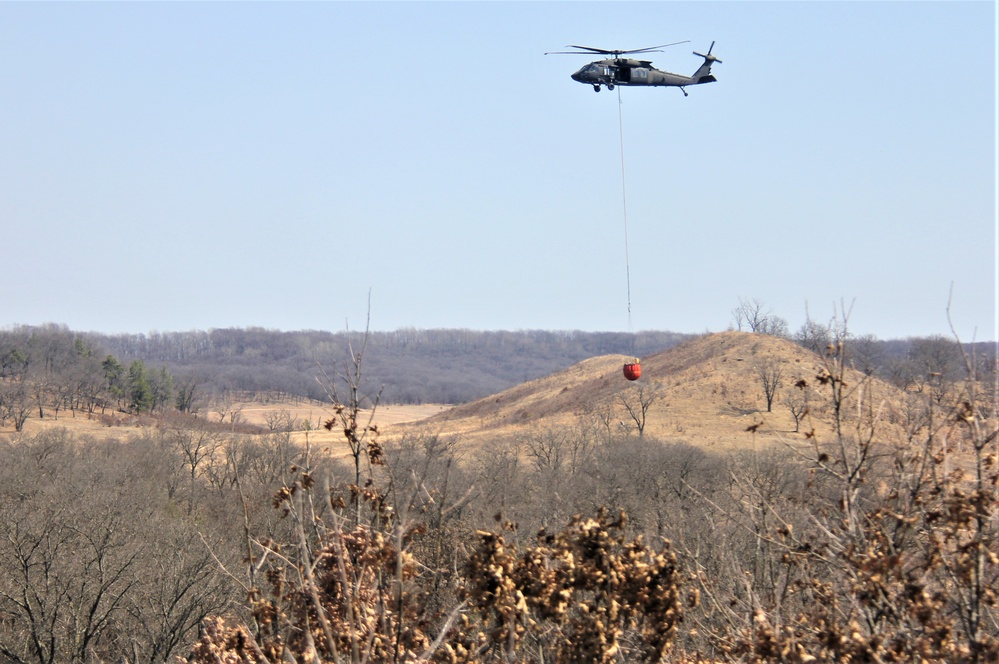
(140, 391)
(114, 377)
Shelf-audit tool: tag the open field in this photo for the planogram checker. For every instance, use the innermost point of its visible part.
(707, 392)
(308, 421)
(316, 414)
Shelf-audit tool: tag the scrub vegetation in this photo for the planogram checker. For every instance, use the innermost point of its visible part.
(870, 534)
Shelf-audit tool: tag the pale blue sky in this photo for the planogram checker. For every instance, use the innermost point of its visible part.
(177, 166)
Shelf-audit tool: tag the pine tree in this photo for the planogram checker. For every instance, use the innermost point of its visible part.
(140, 392)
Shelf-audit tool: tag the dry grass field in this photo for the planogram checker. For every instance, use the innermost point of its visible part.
(710, 395)
(308, 421)
(708, 392)
(316, 414)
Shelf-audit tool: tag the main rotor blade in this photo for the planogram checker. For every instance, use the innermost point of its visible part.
(653, 48)
(589, 50)
(594, 50)
(579, 53)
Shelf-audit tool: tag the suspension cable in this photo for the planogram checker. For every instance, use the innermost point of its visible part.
(624, 203)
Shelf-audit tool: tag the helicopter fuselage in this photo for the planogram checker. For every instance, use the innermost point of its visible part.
(626, 71)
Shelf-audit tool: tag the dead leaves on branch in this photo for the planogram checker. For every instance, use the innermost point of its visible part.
(586, 594)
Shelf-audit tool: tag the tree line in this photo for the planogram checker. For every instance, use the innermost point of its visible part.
(455, 366)
(49, 369)
(45, 370)
(413, 366)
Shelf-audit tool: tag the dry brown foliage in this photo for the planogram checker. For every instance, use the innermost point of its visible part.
(585, 594)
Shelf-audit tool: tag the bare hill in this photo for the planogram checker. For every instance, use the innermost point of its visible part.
(708, 391)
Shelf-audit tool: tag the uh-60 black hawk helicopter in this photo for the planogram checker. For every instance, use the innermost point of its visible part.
(627, 71)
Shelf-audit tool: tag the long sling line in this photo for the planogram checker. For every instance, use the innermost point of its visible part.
(624, 203)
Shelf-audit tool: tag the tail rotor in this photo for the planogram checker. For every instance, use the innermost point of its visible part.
(707, 56)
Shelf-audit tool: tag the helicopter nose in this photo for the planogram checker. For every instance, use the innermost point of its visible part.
(576, 77)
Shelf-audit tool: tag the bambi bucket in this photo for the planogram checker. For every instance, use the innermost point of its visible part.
(633, 371)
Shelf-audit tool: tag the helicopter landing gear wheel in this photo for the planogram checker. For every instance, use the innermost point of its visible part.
(610, 86)
(596, 88)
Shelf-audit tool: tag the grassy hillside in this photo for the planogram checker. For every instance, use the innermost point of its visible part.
(707, 391)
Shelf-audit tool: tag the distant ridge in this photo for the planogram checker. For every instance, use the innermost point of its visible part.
(711, 390)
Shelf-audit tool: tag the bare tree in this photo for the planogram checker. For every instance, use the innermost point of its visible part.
(166, 606)
(750, 313)
(67, 579)
(937, 366)
(198, 447)
(775, 326)
(186, 389)
(94, 565)
(344, 392)
(643, 397)
(15, 402)
(279, 420)
(757, 317)
(598, 416)
(226, 409)
(770, 373)
(797, 403)
(866, 354)
(813, 336)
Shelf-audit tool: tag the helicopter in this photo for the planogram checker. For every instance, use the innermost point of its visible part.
(628, 71)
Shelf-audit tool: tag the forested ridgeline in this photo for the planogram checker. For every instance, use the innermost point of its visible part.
(411, 366)
(414, 366)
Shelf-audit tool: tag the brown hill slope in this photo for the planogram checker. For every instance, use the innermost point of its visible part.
(709, 393)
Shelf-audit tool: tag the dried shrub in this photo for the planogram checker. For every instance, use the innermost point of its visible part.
(585, 594)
